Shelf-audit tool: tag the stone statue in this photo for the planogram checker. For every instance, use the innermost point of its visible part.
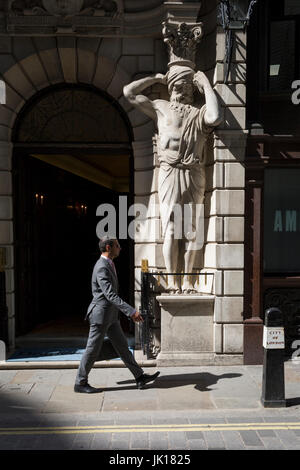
(182, 131)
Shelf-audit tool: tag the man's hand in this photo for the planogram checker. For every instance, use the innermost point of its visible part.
(137, 317)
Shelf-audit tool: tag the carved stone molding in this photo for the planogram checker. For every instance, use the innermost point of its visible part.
(64, 16)
(65, 8)
(100, 18)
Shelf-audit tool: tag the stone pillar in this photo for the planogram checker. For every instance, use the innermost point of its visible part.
(6, 232)
(224, 251)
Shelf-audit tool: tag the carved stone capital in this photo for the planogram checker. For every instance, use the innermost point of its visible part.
(65, 16)
(182, 40)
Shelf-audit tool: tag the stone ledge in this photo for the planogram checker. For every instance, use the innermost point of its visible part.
(68, 364)
(198, 359)
(189, 298)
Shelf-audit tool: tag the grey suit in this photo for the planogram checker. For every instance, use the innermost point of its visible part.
(103, 316)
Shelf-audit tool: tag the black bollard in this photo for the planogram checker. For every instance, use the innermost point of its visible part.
(273, 390)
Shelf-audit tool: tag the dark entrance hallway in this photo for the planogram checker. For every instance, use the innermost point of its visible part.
(56, 248)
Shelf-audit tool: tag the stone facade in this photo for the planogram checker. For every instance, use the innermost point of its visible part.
(108, 55)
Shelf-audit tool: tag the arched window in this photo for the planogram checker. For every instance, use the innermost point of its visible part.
(72, 114)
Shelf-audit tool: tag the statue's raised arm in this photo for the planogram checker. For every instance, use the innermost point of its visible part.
(212, 115)
(133, 91)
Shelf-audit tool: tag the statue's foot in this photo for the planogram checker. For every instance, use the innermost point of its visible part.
(188, 289)
(173, 289)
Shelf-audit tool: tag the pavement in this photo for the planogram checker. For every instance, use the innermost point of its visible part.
(185, 409)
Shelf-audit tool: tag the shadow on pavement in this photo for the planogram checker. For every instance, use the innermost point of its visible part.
(17, 412)
(201, 381)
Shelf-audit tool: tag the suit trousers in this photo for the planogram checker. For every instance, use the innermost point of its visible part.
(94, 344)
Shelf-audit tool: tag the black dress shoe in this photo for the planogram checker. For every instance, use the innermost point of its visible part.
(86, 388)
(145, 378)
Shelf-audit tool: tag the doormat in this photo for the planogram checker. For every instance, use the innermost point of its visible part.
(55, 353)
(46, 354)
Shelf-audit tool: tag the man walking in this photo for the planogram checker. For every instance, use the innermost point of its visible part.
(103, 318)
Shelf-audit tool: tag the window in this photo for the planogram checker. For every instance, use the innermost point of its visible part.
(283, 45)
(71, 114)
(282, 65)
(291, 7)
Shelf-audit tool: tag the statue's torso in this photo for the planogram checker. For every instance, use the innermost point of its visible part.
(180, 139)
(169, 123)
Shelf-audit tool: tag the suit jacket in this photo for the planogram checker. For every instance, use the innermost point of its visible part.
(106, 303)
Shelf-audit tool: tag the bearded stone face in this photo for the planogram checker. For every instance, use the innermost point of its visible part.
(182, 91)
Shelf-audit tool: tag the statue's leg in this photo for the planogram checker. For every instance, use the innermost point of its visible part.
(190, 250)
(189, 260)
(194, 223)
(170, 252)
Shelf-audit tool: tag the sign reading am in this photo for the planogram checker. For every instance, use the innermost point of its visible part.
(286, 221)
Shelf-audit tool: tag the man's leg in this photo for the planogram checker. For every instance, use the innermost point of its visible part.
(91, 353)
(119, 342)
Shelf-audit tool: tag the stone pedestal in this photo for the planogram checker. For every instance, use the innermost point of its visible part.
(186, 330)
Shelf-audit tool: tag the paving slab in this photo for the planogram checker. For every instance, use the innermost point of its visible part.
(214, 440)
(158, 441)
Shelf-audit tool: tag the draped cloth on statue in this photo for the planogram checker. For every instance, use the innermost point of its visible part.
(182, 173)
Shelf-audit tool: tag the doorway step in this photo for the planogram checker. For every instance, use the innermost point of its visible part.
(63, 339)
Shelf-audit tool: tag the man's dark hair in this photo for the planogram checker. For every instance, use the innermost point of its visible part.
(106, 240)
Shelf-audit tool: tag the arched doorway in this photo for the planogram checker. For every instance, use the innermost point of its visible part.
(72, 152)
